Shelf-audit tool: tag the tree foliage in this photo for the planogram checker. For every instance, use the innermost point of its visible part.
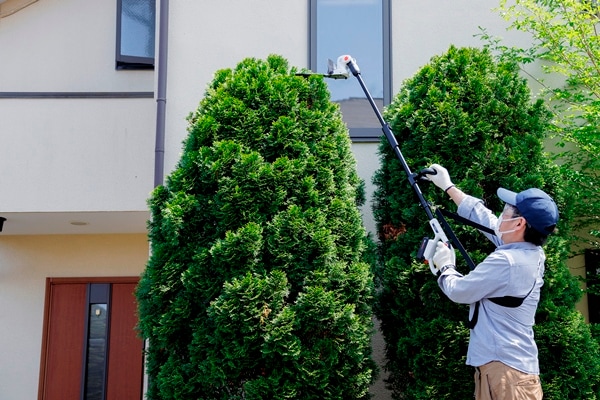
(566, 43)
(257, 285)
(475, 117)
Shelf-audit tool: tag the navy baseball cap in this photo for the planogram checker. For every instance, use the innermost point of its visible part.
(535, 206)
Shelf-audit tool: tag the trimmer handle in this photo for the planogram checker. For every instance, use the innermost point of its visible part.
(423, 172)
(428, 246)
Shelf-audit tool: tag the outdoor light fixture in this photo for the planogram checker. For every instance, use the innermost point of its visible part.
(79, 223)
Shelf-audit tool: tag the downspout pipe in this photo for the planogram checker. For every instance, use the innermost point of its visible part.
(161, 93)
(161, 112)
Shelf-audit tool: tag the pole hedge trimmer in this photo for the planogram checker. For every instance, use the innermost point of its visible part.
(438, 223)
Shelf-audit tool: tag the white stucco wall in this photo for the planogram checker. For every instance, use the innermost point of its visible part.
(80, 154)
(209, 35)
(367, 162)
(64, 45)
(76, 154)
(25, 263)
(422, 29)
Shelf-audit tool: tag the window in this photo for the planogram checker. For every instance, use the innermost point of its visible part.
(360, 28)
(136, 21)
(96, 351)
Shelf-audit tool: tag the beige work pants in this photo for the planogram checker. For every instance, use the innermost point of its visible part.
(497, 381)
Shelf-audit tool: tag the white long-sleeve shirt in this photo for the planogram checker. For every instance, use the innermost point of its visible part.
(502, 333)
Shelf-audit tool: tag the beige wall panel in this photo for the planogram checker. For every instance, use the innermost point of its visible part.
(76, 154)
(367, 162)
(210, 35)
(425, 28)
(64, 45)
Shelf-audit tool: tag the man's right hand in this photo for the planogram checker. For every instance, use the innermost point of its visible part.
(441, 179)
(444, 256)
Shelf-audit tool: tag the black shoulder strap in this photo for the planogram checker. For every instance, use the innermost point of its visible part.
(471, 324)
(506, 301)
(466, 221)
(509, 301)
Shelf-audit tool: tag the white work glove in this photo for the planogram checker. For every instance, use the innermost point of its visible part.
(441, 179)
(444, 256)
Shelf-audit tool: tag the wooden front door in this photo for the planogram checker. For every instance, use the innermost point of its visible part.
(90, 349)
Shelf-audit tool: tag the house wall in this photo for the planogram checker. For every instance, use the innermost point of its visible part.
(367, 162)
(25, 263)
(76, 154)
(66, 151)
(64, 45)
(209, 35)
(72, 154)
(424, 28)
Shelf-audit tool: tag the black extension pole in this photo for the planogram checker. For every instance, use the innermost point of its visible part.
(392, 140)
(412, 178)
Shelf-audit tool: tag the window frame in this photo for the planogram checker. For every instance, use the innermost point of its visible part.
(360, 134)
(123, 61)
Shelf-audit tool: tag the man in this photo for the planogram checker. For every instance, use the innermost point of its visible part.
(503, 290)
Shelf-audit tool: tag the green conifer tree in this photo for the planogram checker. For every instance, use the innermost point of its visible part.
(257, 285)
(475, 117)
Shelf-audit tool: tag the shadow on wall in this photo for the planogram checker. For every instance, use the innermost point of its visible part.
(378, 389)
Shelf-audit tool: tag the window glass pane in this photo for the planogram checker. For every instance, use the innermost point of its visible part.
(96, 352)
(352, 27)
(137, 28)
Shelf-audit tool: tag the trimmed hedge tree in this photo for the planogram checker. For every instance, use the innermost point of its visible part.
(475, 117)
(257, 286)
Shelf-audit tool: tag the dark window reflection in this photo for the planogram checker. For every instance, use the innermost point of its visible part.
(96, 352)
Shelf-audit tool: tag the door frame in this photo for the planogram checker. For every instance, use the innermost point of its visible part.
(47, 311)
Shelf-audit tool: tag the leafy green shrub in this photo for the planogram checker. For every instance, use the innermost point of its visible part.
(475, 117)
(257, 285)
(565, 44)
